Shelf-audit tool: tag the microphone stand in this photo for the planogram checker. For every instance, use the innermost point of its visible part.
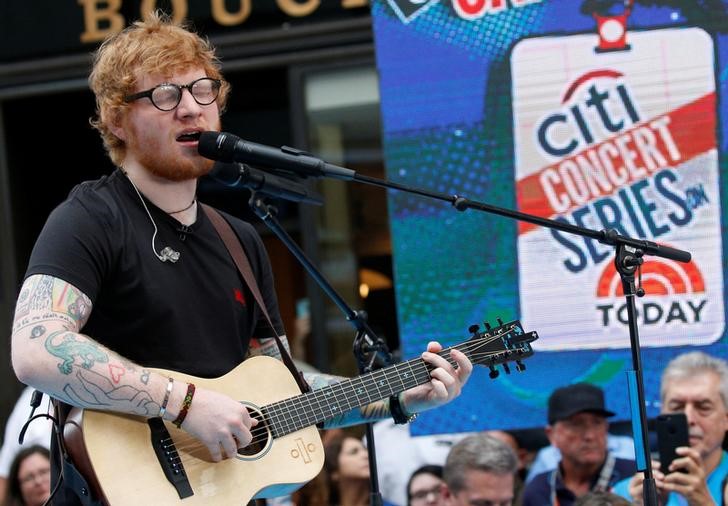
(628, 258)
(370, 351)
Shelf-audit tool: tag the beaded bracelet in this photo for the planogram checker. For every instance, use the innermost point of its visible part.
(185, 405)
(399, 415)
(163, 407)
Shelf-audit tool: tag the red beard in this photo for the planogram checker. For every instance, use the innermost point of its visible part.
(165, 161)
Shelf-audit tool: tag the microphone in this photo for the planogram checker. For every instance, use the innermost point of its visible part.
(238, 174)
(226, 147)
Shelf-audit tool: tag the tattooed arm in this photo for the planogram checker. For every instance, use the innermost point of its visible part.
(445, 384)
(50, 354)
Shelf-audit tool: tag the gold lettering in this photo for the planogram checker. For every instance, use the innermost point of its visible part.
(227, 18)
(353, 4)
(298, 9)
(97, 13)
(179, 9)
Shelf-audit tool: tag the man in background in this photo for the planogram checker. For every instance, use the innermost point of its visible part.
(695, 384)
(480, 470)
(577, 426)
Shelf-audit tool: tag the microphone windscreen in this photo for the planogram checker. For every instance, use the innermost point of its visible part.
(217, 146)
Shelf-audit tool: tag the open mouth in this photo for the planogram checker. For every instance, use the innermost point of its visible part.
(189, 137)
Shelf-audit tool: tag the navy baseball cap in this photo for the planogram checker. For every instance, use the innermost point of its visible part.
(577, 398)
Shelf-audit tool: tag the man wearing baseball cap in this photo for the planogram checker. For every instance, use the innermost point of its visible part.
(577, 426)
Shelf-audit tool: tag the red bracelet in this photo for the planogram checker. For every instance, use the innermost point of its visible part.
(185, 405)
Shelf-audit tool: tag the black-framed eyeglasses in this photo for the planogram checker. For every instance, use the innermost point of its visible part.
(167, 96)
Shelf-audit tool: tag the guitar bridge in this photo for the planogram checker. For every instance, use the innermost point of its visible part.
(168, 458)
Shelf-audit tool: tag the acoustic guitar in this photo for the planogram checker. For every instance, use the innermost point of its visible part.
(133, 460)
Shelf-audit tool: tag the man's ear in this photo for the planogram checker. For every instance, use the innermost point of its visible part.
(115, 124)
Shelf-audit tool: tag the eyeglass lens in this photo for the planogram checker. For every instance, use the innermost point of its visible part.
(167, 96)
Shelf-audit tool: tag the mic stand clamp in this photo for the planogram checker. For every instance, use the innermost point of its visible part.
(370, 351)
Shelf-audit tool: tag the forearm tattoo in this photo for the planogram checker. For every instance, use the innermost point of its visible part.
(52, 312)
(267, 347)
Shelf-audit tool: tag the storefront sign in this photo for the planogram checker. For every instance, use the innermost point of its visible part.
(41, 29)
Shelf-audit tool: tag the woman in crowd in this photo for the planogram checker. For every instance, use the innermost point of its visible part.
(29, 480)
(424, 487)
(347, 467)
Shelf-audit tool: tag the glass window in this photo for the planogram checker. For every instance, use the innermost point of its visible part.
(342, 124)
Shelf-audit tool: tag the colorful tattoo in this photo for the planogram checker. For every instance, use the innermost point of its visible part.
(68, 300)
(116, 372)
(69, 348)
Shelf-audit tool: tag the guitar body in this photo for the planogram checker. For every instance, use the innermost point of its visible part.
(123, 464)
(128, 471)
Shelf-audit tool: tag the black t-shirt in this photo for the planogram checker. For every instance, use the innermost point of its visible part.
(194, 316)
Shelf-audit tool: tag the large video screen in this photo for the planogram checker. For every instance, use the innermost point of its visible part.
(609, 120)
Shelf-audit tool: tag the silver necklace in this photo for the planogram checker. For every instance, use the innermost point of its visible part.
(167, 253)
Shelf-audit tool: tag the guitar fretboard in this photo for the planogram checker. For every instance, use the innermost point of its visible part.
(296, 413)
(321, 404)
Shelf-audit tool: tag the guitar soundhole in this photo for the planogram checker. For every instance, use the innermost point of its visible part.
(261, 436)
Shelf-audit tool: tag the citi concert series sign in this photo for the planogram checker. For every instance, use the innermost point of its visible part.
(605, 120)
(623, 140)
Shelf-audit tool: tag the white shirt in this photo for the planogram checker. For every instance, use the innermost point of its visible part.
(38, 433)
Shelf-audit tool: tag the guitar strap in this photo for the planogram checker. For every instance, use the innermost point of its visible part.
(232, 243)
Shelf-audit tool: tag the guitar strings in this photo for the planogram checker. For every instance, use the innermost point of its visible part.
(264, 430)
(280, 407)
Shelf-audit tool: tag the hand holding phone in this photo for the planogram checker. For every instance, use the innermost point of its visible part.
(672, 431)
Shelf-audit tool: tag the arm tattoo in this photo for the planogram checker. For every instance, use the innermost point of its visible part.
(267, 347)
(93, 390)
(37, 331)
(47, 298)
(69, 349)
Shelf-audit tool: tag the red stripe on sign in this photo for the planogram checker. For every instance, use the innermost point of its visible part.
(632, 155)
(586, 77)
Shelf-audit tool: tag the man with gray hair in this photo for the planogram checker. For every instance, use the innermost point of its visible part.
(695, 384)
(479, 471)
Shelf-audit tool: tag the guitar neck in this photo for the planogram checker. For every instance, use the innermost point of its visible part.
(295, 413)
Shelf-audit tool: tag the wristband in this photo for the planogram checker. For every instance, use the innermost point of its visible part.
(163, 407)
(185, 405)
(399, 415)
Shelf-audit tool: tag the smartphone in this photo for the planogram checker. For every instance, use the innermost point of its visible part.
(672, 431)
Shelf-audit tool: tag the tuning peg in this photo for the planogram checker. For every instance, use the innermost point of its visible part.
(473, 329)
(487, 326)
(506, 368)
(520, 366)
(494, 373)
(500, 322)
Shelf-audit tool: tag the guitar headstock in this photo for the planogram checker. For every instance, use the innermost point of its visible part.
(507, 342)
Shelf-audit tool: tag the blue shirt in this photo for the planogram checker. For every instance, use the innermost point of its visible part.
(539, 491)
(715, 480)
